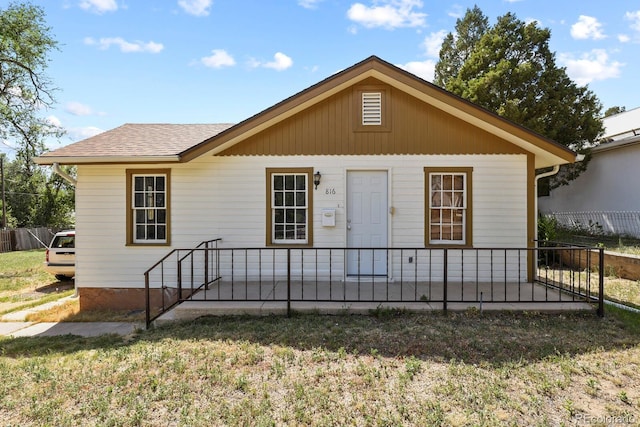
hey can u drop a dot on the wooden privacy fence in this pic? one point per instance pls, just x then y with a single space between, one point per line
24 239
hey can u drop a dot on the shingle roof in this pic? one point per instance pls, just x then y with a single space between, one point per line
135 139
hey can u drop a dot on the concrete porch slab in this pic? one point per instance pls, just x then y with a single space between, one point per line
190 310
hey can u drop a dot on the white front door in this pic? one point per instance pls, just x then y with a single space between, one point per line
367 222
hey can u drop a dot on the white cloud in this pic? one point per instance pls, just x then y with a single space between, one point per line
78 109
634 17
623 38
587 27
125 46
53 120
309 4
423 69
99 6
530 20
590 66
77 134
196 7
456 11
388 14
433 42
219 58
280 62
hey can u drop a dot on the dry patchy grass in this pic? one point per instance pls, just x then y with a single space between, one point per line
22 272
24 283
69 311
616 289
623 290
390 368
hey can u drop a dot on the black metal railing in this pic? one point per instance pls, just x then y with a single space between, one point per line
552 273
167 274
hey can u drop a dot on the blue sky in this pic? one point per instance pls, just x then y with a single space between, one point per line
222 61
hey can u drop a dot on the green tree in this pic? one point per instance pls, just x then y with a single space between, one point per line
39 199
25 89
509 69
25 92
457 47
614 110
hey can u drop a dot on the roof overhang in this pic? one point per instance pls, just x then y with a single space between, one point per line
89 160
614 145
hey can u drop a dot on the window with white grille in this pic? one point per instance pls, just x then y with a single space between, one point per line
289 207
372 108
149 205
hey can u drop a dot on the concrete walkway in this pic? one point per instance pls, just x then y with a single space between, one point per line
83 329
21 316
15 325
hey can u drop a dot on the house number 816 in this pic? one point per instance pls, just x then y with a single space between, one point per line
330 191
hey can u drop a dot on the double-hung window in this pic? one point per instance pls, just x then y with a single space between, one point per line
448 205
148 206
289 206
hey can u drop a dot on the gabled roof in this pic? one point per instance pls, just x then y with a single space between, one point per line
114 146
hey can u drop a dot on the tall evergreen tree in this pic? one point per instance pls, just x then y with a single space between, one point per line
614 110
509 69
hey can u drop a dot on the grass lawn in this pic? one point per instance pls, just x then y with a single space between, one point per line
24 283
386 369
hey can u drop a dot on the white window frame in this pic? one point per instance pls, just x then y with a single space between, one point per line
451 202
149 208
280 203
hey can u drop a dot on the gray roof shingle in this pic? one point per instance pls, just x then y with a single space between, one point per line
141 140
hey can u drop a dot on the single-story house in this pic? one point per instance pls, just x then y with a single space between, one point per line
371 157
601 198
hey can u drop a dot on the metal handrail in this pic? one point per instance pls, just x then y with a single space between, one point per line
505 269
148 317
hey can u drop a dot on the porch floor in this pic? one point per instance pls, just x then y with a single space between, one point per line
353 296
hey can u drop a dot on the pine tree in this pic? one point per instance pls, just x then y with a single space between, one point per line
509 69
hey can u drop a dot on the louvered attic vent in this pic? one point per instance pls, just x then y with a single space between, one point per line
371 108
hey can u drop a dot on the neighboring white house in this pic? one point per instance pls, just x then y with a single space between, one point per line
605 195
402 163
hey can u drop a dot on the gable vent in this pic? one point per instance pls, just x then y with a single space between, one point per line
371 108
